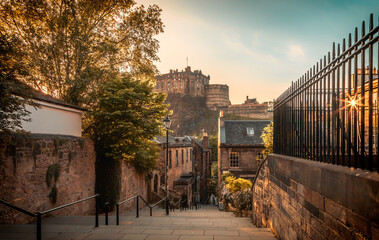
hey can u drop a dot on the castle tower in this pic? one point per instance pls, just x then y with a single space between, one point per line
216 96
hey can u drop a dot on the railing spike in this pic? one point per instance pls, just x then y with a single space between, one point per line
334 51
349 39
356 35
363 29
371 21
344 45
338 50
328 57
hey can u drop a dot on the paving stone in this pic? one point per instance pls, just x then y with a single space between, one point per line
205 223
134 236
189 232
221 233
196 237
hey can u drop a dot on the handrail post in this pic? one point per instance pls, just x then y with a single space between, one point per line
97 212
137 213
151 211
118 214
106 212
39 226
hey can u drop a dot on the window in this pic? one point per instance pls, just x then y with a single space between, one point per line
177 158
234 159
169 159
250 131
260 156
190 154
187 155
182 156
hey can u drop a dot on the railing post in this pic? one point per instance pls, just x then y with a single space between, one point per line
118 214
151 211
106 212
39 226
97 212
137 213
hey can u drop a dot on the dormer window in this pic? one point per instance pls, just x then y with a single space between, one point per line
250 131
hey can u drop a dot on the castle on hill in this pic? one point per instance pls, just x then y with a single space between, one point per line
196 84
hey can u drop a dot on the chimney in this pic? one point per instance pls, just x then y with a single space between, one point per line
205 140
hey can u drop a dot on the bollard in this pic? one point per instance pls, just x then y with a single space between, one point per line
97 212
137 213
106 213
39 226
118 214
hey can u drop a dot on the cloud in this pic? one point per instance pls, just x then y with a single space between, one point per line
295 51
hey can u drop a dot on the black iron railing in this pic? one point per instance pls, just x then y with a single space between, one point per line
330 114
39 215
136 197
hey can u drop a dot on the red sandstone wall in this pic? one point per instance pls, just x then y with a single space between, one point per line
133 183
23 169
302 199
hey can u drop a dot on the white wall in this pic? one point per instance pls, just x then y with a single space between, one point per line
54 119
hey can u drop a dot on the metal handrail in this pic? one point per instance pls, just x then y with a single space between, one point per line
69 204
256 175
17 208
137 207
38 215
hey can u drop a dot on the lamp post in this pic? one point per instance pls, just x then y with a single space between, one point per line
167 123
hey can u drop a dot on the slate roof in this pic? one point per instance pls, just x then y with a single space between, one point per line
235 132
174 141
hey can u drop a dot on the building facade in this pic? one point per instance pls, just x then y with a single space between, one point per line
185 82
239 145
188 167
251 108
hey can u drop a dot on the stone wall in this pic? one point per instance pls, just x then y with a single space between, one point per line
24 164
133 183
302 199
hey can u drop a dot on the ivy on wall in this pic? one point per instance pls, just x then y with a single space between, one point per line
53 173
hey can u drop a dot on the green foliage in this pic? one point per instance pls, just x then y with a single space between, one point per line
14 94
212 186
267 137
226 175
72 46
242 200
236 191
214 170
236 184
213 142
53 194
125 119
53 172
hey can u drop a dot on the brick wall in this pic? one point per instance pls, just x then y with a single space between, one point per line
302 199
24 163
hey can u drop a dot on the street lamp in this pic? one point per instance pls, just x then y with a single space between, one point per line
167 123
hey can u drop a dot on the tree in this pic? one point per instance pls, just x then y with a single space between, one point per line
267 137
213 142
126 118
14 95
70 47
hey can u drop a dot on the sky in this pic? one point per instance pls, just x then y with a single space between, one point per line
255 47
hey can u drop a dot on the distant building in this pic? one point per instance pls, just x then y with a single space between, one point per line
239 146
184 82
217 96
251 108
202 165
188 163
